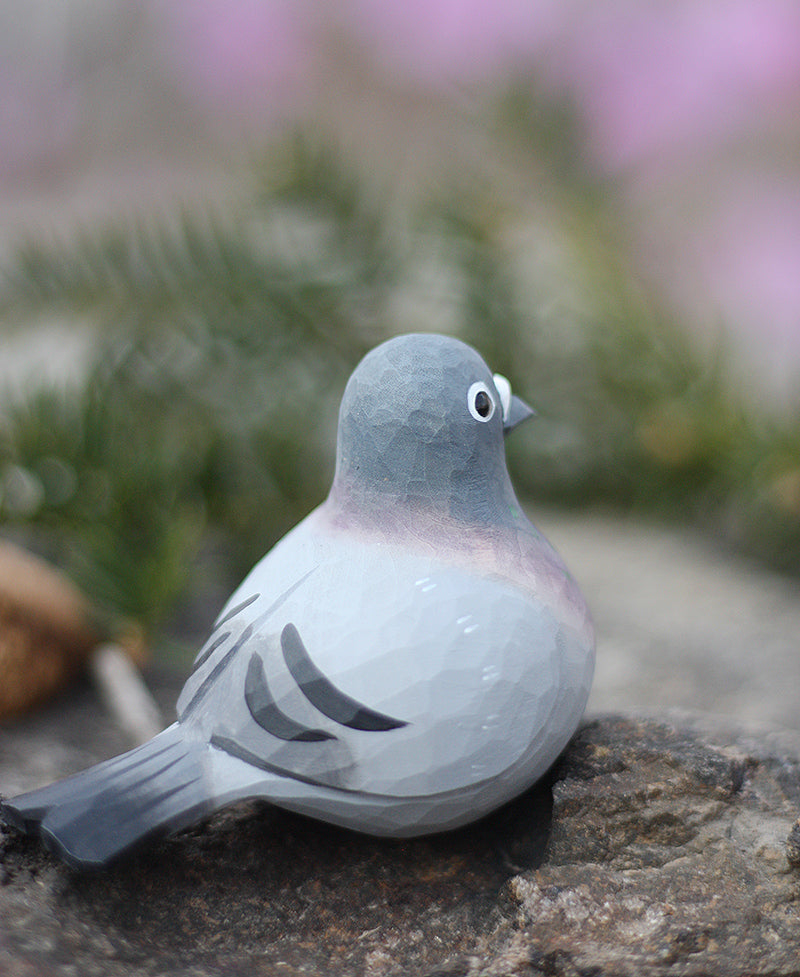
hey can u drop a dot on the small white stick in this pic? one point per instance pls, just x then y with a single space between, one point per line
124 693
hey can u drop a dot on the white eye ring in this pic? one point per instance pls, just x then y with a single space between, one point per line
504 390
474 399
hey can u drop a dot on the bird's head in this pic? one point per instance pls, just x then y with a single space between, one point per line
422 424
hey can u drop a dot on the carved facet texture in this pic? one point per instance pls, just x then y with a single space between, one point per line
412 655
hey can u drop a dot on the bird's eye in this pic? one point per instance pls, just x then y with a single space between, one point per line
480 402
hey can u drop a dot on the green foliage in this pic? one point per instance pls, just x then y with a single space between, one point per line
207 421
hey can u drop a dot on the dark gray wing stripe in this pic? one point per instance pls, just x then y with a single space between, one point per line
266 713
285 596
235 610
204 655
235 749
324 695
208 651
215 672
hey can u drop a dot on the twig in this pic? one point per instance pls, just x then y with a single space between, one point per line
124 693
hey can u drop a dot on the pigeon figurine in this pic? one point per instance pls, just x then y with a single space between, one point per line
408 658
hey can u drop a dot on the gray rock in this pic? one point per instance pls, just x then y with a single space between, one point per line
793 845
667 855
658 847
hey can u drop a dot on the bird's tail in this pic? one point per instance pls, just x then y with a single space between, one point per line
102 812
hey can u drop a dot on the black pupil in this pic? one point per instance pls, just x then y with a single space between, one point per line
482 403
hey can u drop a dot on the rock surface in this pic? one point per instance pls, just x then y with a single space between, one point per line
667 855
657 847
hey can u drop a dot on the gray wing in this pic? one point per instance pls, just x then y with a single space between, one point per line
232 695
401 676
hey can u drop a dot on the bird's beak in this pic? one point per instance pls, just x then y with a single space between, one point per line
518 412
515 410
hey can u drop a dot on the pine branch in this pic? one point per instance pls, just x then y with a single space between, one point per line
209 410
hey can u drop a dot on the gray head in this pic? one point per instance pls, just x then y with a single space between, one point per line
421 426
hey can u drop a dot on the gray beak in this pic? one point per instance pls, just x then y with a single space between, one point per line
518 411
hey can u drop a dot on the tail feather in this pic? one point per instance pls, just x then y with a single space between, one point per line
102 812
27 810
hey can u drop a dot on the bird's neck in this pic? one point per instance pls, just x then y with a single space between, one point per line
470 499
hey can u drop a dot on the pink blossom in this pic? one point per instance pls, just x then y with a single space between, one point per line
246 58
677 76
751 259
38 122
434 42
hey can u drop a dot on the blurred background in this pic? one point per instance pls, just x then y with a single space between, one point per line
209 212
